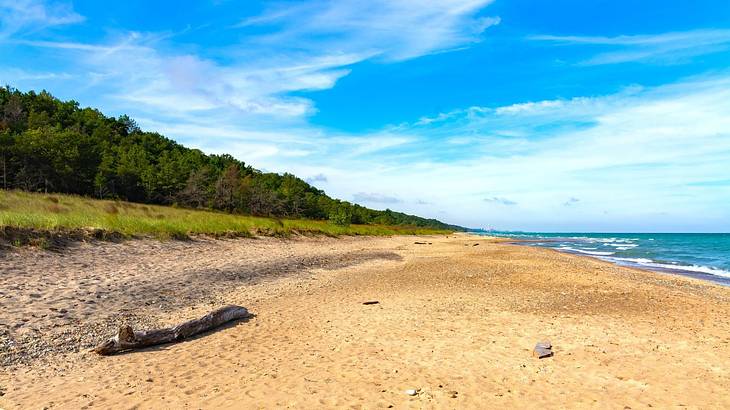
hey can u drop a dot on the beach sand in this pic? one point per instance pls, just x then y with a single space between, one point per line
455 321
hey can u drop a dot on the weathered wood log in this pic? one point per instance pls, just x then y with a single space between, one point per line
128 339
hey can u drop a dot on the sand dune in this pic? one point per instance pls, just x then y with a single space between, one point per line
454 321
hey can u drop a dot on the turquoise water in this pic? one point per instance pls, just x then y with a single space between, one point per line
705 256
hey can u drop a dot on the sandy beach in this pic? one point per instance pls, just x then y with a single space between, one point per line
456 321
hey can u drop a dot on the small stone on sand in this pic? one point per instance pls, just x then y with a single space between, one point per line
542 349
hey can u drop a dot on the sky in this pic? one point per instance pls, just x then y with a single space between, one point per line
563 115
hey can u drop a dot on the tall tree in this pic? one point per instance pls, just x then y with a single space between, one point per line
227 188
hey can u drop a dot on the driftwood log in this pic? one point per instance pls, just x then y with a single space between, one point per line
128 339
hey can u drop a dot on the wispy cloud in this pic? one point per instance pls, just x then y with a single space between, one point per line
316 44
28 16
500 201
363 197
673 47
23 75
391 29
712 183
571 201
317 178
630 152
251 87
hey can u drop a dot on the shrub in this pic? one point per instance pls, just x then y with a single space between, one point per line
341 217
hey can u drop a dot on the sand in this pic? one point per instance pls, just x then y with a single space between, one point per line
456 322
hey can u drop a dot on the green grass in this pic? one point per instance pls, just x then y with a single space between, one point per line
57 213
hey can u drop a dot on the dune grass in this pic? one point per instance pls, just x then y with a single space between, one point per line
66 213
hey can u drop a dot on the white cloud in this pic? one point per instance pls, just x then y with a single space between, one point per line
392 29
23 75
185 83
317 178
23 16
307 50
671 47
500 201
637 154
370 198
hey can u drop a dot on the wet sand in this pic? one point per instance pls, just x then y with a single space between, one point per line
456 322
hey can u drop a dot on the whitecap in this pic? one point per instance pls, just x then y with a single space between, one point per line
595 253
694 268
676 267
634 260
623 245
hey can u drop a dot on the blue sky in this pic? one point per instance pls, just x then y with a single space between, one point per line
531 115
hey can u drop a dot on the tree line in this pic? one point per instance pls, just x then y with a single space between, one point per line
49 145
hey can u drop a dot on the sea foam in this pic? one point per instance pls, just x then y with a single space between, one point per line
674 266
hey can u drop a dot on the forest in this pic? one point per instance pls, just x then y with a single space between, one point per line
49 145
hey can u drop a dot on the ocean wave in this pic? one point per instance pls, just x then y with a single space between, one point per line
609 241
595 253
633 260
643 253
673 266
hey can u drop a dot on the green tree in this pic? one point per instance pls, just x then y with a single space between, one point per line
131 164
6 145
227 189
197 192
341 216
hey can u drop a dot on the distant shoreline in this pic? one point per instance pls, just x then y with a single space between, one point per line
648 265
678 272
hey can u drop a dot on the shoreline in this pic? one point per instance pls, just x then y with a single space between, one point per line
717 279
456 321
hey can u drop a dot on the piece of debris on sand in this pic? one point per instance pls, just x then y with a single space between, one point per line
543 349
